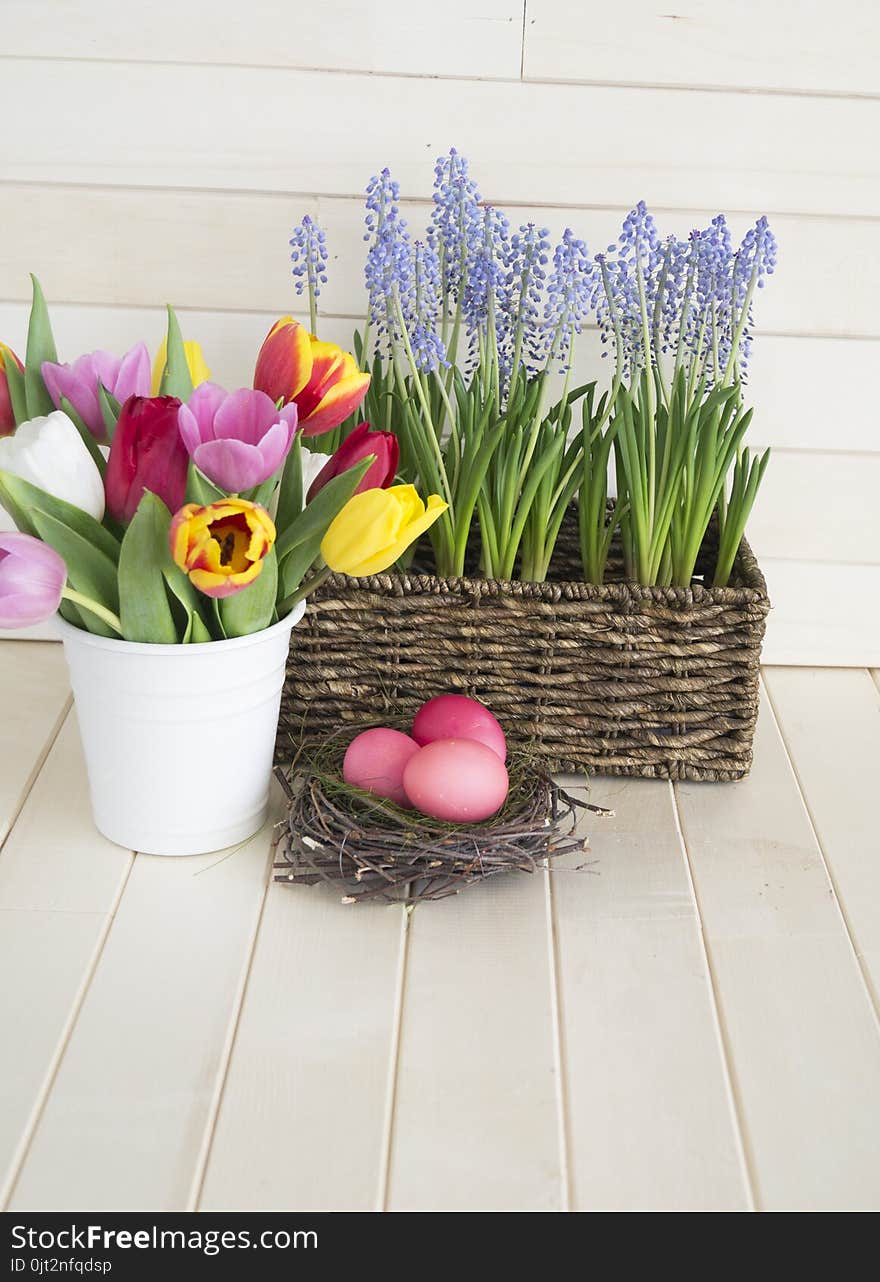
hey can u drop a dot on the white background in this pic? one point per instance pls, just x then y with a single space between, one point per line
164 153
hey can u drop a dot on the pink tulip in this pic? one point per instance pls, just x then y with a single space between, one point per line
32 576
237 439
130 375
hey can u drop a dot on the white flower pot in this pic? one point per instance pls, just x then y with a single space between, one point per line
178 739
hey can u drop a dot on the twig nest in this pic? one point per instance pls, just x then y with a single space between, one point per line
371 849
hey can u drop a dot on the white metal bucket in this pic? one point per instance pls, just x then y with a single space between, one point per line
178 739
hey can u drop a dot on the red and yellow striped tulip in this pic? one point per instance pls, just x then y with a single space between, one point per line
7 418
323 380
221 546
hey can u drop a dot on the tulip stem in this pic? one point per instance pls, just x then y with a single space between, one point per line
304 590
106 616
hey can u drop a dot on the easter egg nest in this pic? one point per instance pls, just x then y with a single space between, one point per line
371 849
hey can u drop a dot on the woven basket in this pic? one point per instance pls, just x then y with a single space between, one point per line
617 679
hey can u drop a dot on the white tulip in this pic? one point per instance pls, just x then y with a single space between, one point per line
312 464
50 453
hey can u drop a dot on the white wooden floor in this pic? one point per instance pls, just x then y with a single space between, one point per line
694 1026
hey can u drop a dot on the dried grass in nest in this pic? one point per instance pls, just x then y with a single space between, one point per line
371 849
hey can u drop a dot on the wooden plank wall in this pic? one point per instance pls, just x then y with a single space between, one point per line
168 161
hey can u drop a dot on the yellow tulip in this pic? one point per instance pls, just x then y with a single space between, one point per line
376 527
198 370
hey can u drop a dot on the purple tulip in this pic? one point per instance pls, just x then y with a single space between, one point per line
32 576
129 375
237 439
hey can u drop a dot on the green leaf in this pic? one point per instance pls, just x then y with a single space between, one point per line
290 495
110 410
40 347
217 618
251 609
88 440
17 394
176 378
199 634
199 489
14 507
89 570
28 497
316 516
192 601
297 564
143 603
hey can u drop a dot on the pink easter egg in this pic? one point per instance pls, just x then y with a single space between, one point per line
459 780
375 761
455 716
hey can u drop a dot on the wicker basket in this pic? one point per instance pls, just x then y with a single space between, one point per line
618 679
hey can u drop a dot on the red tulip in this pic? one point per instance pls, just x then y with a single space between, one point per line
7 418
147 454
359 444
323 380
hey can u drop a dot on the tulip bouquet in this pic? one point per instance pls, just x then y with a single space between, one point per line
154 506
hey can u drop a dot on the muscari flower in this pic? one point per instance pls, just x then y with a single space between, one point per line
570 291
456 221
308 246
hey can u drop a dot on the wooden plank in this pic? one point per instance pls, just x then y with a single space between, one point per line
822 614
134 1098
59 883
782 46
475 1118
34 698
782 376
407 37
780 155
651 1122
56 860
229 251
830 722
303 1117
818 507
802 1033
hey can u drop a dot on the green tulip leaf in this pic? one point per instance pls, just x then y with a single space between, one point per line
176 378
14 507
17 393
110 410
89 570
199 489
316 516
190 599
251 609
290 495
40 348
143 602
16 492
87 439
